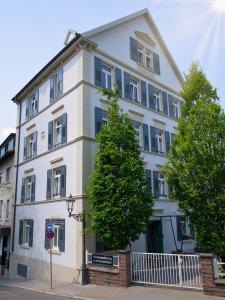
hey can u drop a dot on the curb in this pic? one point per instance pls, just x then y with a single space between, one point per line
46 292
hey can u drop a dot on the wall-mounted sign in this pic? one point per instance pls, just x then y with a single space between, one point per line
102 259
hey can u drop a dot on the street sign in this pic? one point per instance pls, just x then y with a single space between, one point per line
102 259
50 235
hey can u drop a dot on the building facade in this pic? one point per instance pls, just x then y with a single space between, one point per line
7 175
60 111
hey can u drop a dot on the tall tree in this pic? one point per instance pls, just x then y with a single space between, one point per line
119 195
196 163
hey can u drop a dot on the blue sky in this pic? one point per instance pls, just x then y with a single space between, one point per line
32 32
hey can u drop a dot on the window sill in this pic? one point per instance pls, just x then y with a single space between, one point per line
25 247
54 251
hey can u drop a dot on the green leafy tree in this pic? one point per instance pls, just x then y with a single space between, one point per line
119 195
196 163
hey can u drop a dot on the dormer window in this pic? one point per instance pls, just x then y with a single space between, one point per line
140 54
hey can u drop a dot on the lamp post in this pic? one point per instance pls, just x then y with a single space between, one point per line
80 217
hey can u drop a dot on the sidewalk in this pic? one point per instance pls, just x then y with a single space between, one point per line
100 292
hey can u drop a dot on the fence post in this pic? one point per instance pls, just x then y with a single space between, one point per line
180 270
207 271
124 267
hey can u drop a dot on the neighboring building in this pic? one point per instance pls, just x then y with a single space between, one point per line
7 150
59 114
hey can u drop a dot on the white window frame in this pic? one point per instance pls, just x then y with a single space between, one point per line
140 54
133 86
137 128
33 105
30 145
160 141
56 237
175 108
149 55
107 73
57 136
162 185
157 100
104 117
7 209
26 233
8 175
1 209
56 182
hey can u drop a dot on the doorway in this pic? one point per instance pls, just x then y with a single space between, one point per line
154 237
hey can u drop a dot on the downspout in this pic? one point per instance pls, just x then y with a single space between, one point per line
16 181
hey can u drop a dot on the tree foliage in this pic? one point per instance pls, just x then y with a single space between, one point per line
119 196
196 164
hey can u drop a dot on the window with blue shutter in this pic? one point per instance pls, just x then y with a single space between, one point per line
50 135
98 71
49 185
170 100
143 93
156 184
23 191
151 99
165 103
154 145
62 235
63 181
35 143
167 141
20 232
127 85
98 120
59 82
145 137
52 88
156 63
149 177
59 234
118 77
64 128
30 222
27 109
33 180
133 49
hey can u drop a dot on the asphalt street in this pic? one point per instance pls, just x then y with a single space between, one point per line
10 293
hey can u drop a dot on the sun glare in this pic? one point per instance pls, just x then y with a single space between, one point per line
219 5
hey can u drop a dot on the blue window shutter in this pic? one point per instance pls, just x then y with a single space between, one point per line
145 137
98 120
167 141
127 85
64 128
143 93
63 182
35 143
25 148
170 100
60 82
49 185
50 135
172 138
31 229
37 100
62 236
154 147
133 49
156 64
47 241
118 75
21 232
27 109
23 191
165 103
52 88
149 177
98 71
156 184
151 96
33 180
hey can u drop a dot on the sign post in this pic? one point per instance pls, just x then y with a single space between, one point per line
50 235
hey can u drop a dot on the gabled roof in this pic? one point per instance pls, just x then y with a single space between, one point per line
146 14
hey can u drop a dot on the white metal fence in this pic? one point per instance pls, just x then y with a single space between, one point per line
219 268
166 269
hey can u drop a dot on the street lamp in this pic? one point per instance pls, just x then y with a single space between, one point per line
80 217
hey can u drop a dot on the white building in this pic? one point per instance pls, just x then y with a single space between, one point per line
59 114
7 175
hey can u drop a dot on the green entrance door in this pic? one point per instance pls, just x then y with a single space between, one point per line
154 237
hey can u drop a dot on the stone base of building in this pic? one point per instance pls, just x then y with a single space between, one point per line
22 267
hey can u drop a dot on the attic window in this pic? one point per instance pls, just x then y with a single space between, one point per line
149 59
